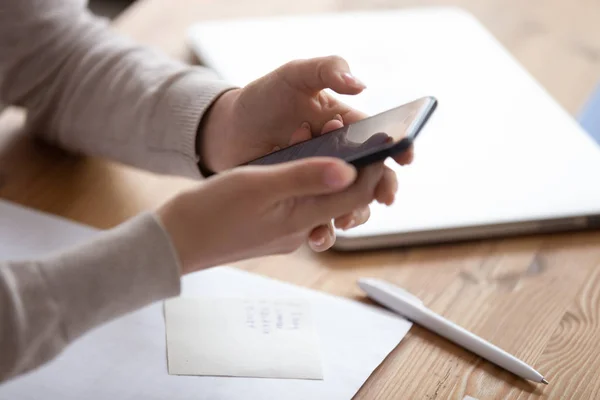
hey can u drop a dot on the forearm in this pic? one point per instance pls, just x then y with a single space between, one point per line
46 304
89 90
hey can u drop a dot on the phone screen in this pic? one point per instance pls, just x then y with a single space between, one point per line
365 137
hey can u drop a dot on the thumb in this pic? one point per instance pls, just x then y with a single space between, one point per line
309 177
315 74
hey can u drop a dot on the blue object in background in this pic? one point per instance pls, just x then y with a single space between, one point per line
590 116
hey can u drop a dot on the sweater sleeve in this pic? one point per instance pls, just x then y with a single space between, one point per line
89 90
46 304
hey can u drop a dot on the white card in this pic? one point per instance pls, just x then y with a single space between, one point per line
245 337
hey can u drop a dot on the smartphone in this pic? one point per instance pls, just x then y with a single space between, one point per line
366 141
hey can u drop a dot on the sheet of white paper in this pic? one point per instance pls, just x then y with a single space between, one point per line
251 337
126 359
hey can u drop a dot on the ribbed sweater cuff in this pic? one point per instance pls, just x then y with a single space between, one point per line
182 108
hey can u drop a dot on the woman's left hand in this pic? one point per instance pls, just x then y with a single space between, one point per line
287 106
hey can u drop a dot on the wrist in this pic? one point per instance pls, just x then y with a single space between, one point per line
172 216
189 220
213 134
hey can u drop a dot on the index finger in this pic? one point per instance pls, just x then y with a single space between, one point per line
406 157
315 74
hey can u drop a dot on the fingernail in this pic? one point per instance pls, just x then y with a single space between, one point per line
339 118
350 224
336 178
352 80
305 125
318 242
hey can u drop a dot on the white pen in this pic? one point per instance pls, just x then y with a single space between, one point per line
412 308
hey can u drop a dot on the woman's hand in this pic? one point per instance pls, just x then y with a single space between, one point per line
248 123
257 211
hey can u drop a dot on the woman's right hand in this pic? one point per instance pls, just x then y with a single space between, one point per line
257 211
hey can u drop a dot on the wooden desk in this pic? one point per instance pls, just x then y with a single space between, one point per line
536 297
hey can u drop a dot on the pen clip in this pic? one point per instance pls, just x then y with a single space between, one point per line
389 288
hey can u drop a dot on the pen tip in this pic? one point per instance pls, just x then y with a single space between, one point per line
544 381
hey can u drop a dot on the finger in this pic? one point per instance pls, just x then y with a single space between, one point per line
307 177
333 124
354 219
350 115
386 189
304 132
315 74
360 194
301 134
406 157
322 237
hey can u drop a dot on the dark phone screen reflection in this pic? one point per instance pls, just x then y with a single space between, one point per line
362 138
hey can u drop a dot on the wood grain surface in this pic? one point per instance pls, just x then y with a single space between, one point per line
536 297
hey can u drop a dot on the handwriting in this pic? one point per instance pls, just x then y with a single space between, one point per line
268 317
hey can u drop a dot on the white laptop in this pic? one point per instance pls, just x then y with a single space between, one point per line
499 157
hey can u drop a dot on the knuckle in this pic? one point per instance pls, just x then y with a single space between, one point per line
321 70
293 64
249 181
336 60
324 100
327 65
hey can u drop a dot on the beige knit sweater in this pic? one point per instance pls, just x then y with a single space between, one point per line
90 91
